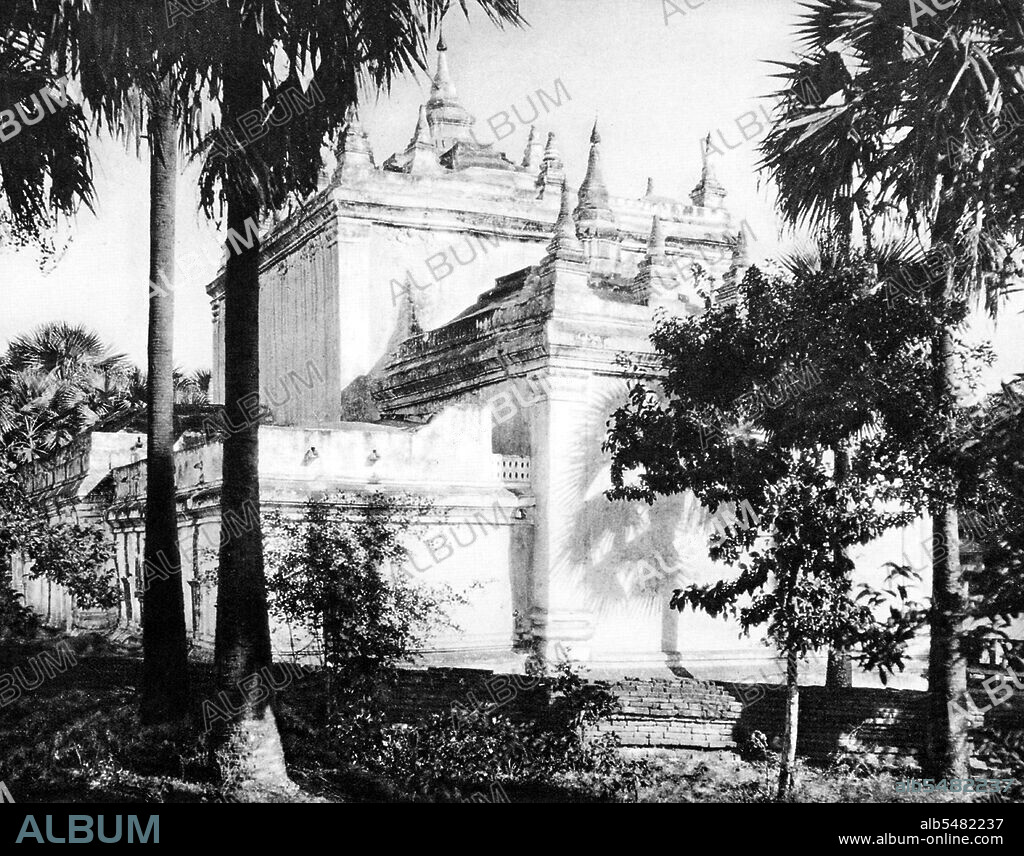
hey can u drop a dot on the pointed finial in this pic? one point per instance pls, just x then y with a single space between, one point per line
532 155
707 168
656 243
650 187
709 192
354 152
551 148
593 206
565 245
551 176
422 132
413 325
655 276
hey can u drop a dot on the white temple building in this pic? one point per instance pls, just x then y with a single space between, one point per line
455 324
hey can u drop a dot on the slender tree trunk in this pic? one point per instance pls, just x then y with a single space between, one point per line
787 765
839 671
248 749
947 667
165 684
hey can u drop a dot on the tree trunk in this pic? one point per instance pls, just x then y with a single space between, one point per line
947 667
787 763
839 671
248 749
165 684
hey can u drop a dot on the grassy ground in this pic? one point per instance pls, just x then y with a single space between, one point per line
76 738
723 776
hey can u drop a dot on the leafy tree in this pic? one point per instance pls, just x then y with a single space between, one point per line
333 573
918 125
994 521
782 405
74 556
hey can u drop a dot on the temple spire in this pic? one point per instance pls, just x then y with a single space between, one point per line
593 212
656 242
450 122
552 170
421 136
420 156
657 278
442 84
709 192
354 152
533 155
565 245
412 321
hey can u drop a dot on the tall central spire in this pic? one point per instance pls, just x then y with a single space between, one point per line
450 122
709 193
442 87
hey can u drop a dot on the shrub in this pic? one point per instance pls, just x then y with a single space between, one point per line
16 619
328 572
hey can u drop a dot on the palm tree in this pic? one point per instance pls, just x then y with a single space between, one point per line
916 121
118 51
165 682
233 52
379 41
54 383
45 168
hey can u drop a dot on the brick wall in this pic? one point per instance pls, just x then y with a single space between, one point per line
888 724
882 725
674 712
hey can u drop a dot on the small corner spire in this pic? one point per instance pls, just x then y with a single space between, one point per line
593 206
565 245
656 242
552 171
533 155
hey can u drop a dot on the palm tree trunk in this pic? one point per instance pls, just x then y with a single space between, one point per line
947 668
165 685
787 765
248 748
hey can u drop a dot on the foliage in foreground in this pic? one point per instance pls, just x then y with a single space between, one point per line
459 755
335 573
72 555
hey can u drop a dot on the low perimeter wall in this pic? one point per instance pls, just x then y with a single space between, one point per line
882 725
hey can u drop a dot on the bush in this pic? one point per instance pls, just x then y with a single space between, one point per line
16 620
328 573
74 556
456 756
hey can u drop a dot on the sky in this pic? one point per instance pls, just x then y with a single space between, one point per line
656 75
